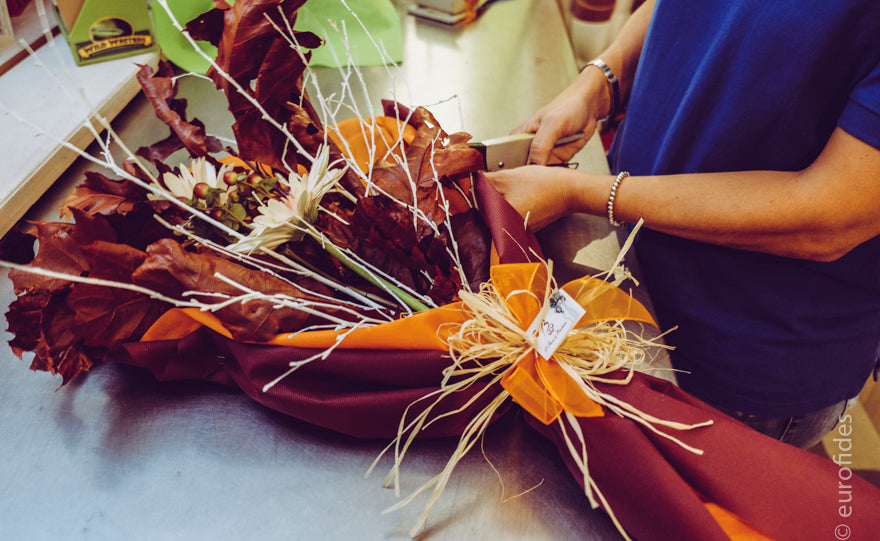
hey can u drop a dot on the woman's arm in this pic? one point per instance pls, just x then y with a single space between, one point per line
588 98
820 213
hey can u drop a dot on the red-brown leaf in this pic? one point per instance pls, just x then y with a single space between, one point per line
248 33
90 228
106 316
209 25
59 252
161 89
256 56
60 350
172 271
24 318
474 245
101 195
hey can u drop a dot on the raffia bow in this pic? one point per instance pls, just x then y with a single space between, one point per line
547 387
492 340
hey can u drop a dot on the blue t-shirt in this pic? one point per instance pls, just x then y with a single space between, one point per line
739 85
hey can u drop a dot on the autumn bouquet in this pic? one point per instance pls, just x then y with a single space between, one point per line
362 276
295 229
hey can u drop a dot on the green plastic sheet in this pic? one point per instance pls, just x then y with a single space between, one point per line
336 21
331 20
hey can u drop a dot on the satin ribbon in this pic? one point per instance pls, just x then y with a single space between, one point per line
355 137
539 385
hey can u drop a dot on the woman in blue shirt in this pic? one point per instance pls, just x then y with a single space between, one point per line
751 148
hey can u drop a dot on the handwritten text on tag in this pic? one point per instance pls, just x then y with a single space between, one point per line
561 317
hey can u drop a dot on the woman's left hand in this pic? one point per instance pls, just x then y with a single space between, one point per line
540 194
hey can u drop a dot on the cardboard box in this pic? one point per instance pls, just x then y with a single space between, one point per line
98 30
6 34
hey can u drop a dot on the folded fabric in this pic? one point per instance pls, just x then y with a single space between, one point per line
743 485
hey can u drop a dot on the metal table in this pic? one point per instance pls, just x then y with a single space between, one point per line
116 455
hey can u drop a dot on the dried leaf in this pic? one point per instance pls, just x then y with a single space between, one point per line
171 270
118 211
161 89
60 349
24 318
248 33
59 252
208 26
108 316
101 195
90 228
260 60
474 245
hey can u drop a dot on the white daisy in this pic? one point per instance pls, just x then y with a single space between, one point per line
281 220
201 170
307 192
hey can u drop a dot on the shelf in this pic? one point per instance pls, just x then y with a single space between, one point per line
51 99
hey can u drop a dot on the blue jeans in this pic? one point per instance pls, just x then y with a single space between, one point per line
803 431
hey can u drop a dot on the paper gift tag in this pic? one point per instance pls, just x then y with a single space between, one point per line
562 315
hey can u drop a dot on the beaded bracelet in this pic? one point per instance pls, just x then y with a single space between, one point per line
611 196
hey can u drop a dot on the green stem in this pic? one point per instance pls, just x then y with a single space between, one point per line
261 192
294 256
378 281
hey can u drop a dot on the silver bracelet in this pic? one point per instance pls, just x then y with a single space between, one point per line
611 196
615 86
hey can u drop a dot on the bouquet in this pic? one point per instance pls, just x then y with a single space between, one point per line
361 275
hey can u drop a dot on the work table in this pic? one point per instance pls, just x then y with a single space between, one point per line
117 455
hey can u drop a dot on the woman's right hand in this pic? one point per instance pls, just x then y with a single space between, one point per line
577 108
588 98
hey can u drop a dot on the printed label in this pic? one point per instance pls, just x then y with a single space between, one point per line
112 35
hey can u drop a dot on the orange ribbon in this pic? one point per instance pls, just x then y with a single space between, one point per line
539 385
355 137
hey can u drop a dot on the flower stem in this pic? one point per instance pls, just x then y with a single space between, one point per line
294 256
401 296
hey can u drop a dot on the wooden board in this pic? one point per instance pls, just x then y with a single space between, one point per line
47 91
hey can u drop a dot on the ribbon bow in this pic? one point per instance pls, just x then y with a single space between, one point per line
544 387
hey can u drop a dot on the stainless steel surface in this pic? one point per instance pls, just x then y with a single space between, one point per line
116 455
